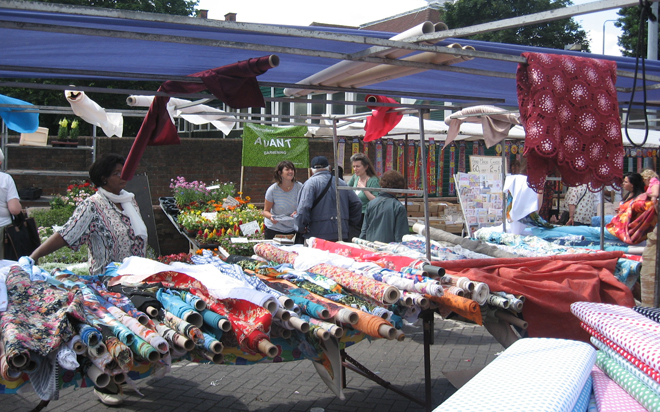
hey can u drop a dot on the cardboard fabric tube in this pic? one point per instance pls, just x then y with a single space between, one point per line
271 306
200 305
299 324
347 316
194 319
284 315
322 334
183 342
216 347
100 378
514 320
151 311
267 348
224 325
18 361
143 319
406 301
119 378
287 303
387 331
399 335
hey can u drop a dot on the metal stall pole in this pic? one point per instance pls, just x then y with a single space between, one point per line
4 144
504 200
334 162
422 145
602 218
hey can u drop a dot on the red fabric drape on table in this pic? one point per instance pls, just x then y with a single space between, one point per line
234 84
385 260
550 285
381 120
570 111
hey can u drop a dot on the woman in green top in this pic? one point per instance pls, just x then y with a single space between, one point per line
364 175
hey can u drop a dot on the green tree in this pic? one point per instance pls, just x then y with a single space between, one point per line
56 98
555 34
628 22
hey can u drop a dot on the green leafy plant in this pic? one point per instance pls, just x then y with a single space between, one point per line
74 132
63 131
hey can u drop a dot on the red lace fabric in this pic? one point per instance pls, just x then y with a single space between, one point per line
570 111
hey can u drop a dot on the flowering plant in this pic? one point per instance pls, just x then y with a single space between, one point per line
76 192
63 131
75 131
179 257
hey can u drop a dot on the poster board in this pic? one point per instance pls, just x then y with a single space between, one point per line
480 197
487 164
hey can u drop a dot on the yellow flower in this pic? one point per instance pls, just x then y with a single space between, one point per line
64 122
74 123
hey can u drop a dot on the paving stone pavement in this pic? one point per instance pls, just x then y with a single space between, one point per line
295 386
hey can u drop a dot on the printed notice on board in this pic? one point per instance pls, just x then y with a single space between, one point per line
486 164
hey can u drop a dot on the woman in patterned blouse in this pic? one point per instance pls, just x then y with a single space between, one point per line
108 222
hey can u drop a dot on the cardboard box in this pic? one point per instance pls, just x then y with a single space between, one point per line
413 207
415 214
38 138
454 227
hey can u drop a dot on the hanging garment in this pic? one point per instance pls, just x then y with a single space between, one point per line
234 84
569 108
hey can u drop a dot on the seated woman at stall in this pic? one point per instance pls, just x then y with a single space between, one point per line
386 219
635 218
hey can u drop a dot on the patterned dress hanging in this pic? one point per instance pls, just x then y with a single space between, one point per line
400 162
410 167
379 157
570 111
431 176
452 169
389 155
441 166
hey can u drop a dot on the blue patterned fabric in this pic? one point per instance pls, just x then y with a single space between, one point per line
542 375
585 396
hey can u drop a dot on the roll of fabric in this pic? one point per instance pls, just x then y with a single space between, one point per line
215 320
174 337
143 349
566 367
610 397
147 334
120 353
378 291
184 328
192 300
173 304
310 308
467 308
90 336
88 110
653 374
651 313
76 345
633 332
632 369
212 344
640 392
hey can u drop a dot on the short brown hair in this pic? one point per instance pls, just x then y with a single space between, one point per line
392 180
277 173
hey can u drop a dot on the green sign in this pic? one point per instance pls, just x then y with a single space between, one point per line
266 146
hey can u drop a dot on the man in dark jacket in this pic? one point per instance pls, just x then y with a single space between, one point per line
317 204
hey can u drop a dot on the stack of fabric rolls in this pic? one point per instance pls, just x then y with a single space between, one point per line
627 371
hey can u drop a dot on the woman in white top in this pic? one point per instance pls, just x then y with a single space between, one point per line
282 201
9 200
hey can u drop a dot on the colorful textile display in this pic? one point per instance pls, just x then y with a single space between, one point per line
548 290
651 313
568 106
566 367
385 260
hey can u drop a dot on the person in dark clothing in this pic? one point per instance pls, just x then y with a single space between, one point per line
385 219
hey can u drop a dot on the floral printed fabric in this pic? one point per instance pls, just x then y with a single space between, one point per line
635 220
98 223
38 318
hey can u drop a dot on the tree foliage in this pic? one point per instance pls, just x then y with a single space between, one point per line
56 98
628 22
555 34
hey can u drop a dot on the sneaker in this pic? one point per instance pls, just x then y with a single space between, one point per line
108 398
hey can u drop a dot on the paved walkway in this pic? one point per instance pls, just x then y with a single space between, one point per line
295 386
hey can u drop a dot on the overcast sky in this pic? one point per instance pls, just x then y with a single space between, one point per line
356 12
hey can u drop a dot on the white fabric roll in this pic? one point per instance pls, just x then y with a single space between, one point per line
88 110
76 341
223 122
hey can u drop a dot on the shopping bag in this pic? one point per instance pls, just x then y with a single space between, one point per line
21 237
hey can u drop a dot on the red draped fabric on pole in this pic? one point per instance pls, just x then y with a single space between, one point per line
550 285
234 84
570 111
382 120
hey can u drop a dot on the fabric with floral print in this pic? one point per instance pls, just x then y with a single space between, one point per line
99 224
637 217
38 319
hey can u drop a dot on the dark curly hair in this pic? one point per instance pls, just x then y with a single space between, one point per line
277 173
102 168
392 180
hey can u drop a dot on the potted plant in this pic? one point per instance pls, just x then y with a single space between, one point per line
67 137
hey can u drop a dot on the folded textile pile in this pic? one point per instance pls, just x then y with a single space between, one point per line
629 354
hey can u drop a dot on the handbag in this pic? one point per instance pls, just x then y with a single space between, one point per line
21 237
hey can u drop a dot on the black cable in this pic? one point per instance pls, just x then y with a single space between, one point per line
645 13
